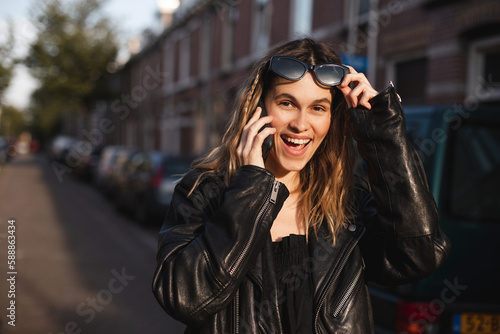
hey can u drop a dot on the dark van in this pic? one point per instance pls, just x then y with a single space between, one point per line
460 150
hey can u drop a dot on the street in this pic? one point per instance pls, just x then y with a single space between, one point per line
69 262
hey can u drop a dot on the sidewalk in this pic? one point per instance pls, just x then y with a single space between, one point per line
81 268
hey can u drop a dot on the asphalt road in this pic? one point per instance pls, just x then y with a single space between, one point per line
80 267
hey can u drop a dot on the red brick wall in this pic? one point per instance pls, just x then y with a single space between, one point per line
216 46
242 31
327 13
280 21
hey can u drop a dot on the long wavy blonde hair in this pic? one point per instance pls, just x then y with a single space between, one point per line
326 180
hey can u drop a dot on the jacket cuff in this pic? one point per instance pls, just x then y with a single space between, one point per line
385 116
388 95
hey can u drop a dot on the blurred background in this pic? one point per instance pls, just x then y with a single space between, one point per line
104 104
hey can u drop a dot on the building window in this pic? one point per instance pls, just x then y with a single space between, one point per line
261 25
360 34
411 80
169 64
205 49
131 134
231 16
184 59
364 7
301 21
491 67
484 70
356 11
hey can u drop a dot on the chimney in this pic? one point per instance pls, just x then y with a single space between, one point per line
167 9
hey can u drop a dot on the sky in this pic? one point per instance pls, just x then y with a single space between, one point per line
130 16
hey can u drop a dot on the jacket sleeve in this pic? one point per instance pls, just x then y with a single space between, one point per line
403 241
210 238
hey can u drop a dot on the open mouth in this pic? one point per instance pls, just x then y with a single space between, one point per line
295 143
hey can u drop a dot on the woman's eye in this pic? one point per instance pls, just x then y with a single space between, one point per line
319 109
286 104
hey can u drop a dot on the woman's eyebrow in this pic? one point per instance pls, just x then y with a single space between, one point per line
286 96
323 100
291 97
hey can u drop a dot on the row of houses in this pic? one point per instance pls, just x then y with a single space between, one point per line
177 93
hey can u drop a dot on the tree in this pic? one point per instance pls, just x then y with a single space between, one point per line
7 62
12 122
71 57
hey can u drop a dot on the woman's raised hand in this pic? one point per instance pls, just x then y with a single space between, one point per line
249 150
361 92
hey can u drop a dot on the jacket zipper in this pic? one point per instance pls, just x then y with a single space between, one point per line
347 294
334 278
274 193
237 312
270 199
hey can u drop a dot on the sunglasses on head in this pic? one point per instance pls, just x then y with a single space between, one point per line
291 68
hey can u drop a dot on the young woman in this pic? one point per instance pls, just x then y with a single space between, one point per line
286 244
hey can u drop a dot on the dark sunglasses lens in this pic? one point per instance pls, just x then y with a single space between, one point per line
329 75
289 68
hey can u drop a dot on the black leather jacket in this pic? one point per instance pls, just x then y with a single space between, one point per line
215 264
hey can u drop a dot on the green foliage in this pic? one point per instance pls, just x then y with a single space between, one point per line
7 62
12 122
75 47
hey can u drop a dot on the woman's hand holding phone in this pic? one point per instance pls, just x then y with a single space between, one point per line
254 134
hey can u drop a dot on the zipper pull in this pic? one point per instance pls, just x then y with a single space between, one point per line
274 193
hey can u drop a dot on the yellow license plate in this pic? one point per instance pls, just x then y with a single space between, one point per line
477 323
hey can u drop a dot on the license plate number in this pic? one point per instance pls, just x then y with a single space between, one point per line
476 323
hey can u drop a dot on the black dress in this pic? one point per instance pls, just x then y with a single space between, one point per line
295 294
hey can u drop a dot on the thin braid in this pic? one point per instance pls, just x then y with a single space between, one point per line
252 90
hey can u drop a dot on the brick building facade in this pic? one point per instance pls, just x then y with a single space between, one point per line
176 94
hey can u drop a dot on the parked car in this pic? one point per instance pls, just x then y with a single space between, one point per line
146 185
460 150
134 178
110 168
81 157
161 188
104 165
86 161
60 147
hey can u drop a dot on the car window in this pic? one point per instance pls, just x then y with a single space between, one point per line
120 159
135 163
473 172
146 165
417 128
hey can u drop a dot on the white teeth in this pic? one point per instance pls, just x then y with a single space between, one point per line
297 141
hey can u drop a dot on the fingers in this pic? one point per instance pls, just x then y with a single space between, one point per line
357 89
249 150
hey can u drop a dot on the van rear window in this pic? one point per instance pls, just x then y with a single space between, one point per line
473 173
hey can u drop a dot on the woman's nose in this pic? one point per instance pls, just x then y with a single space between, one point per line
299 122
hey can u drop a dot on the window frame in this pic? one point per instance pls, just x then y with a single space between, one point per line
477 85
391 70
261 26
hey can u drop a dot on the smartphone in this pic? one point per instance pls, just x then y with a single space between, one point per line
269 141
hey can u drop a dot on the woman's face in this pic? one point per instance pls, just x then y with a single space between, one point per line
301 113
